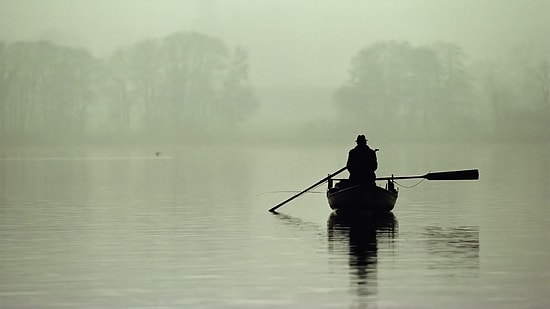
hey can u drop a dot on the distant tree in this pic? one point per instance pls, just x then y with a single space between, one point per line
406 87
455 91
45 88
136 71
185 80
237 101
529 76
378 82
542 75
3 87
537 85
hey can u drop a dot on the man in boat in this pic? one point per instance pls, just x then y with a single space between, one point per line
362 162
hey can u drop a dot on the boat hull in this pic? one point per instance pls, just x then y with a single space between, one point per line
364 198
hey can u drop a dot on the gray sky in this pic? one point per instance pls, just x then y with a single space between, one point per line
307 42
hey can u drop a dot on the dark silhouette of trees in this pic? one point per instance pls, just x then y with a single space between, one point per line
407 87
454 87
432 92
44 88
188 85
185 84
516 94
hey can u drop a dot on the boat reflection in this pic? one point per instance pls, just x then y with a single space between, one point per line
360 237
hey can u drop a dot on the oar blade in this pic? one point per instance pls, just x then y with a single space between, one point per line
454 175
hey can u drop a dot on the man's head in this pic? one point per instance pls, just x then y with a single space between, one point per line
361 140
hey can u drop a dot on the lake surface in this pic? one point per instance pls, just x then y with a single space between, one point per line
189 228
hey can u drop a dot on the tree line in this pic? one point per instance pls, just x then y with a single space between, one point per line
436 92
183 85
188 85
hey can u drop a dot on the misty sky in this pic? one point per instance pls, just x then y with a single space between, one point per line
308 42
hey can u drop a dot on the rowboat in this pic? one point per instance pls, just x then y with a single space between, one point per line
361 198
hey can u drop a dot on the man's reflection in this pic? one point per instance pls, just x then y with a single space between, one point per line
362 236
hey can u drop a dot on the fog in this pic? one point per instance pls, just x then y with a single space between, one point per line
299 57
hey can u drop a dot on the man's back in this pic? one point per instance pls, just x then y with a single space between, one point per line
362 163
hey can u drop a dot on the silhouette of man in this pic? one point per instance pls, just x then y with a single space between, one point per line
362 162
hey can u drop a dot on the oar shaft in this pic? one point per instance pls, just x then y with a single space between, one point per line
472 174
400 177
309 188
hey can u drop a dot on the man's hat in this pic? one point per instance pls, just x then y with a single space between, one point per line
361 138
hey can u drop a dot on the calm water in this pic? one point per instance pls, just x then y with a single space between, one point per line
189 228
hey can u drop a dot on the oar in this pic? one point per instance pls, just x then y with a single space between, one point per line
449 175
309 188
